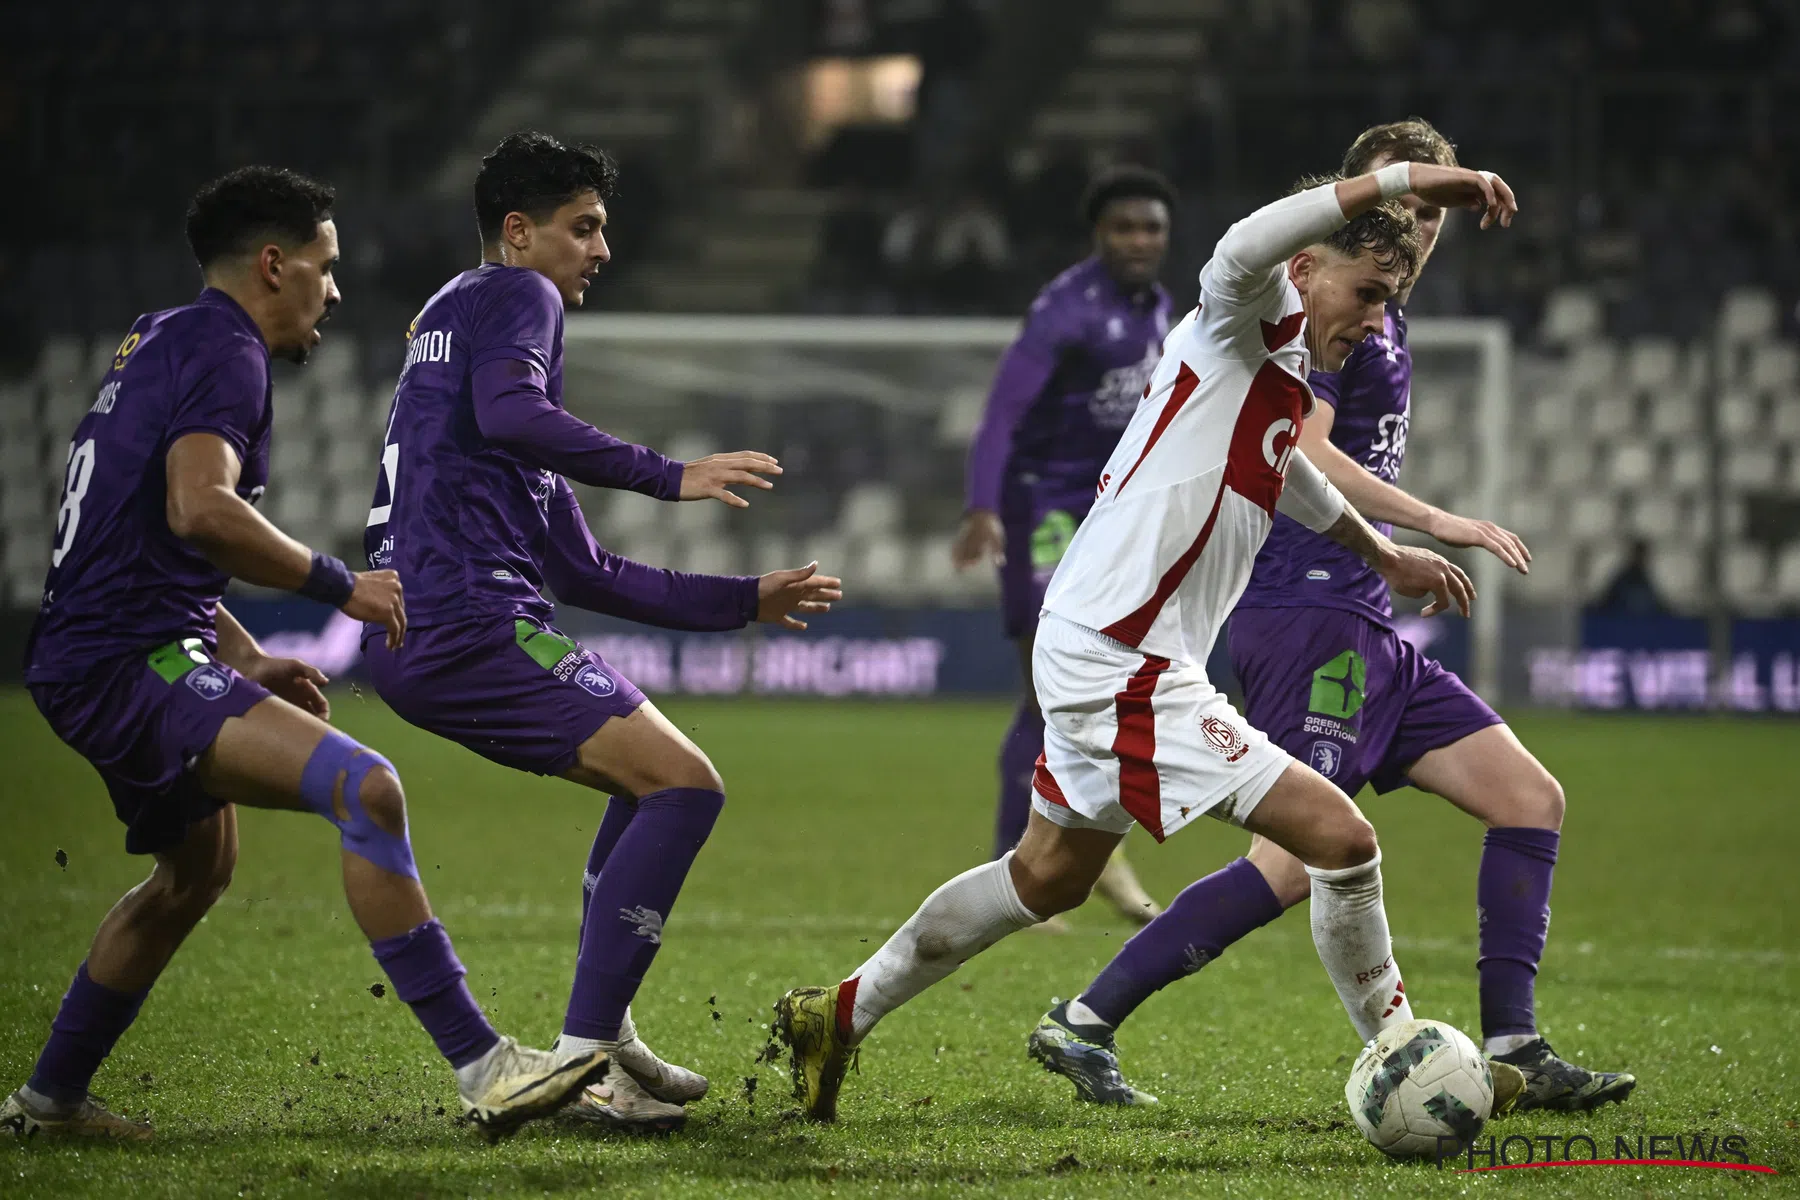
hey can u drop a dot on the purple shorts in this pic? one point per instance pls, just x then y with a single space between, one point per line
1346 695
143 720
1039 522
519 692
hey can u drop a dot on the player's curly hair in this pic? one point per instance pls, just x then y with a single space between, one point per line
1412 140
228 215
1388 232
1126 182
535 174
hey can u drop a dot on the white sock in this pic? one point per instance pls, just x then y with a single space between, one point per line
1350 931
956 922
471 1074
1506 1043
568 1047
1081 1014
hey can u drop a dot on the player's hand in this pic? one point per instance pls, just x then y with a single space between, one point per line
709 478
377 598
295 681
1503 544
780 594
980 537
1413 572
1459 187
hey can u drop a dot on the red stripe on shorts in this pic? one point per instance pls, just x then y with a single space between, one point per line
1045 783
1135 745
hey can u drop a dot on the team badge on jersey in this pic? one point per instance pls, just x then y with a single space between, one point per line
593 680
1224 738
1325 758
209 682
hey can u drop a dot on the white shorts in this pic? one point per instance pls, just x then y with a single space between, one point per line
1132 737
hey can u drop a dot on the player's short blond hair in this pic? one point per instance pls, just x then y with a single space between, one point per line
1388 232
1412 140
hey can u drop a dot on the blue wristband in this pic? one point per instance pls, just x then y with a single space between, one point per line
329 581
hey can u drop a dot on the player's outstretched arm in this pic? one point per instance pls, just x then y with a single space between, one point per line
1378 500
1310 498
1024 370
580 572
513 410
293 680
781 594
204 509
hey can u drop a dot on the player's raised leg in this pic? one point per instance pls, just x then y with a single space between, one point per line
666 796
1494 778
1051 871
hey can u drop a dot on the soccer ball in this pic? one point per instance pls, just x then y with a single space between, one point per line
1419 1081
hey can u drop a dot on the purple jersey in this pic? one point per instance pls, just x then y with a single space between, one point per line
120 580
1067 387
462 520
1298 568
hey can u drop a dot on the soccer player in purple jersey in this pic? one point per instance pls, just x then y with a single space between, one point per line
1324 674
138 667
474 509
1063 393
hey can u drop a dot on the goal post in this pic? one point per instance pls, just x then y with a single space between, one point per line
900 396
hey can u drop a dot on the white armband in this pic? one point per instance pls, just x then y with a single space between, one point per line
1308 496
1395 180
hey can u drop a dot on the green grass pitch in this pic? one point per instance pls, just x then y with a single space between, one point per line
270 1068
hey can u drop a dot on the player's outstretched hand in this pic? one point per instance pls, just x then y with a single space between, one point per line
980 539
1414 572
1459 187
1503 544
377 598
781 594
710 478
293 680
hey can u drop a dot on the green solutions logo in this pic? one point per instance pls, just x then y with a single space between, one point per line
1337 687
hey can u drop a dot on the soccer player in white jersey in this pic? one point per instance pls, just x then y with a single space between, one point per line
1135 732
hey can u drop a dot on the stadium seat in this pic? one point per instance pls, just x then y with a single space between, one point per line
1655 515
688 445
1678 571
1593 368
1747 315
1652 364
871 509
1740 414
961 416
352 463
617 513
1447 466
1784 421
830 551
1787 575
297 503
1593 516
1554 415
711 556
1569 465
1675 413
1600 563
336 361
350 508
1613 415
1571 316
1552 569
774 552
1744 578
933 575
1630 465
340 411
1751 467
1530 512
879 569
1690 466
703 518
62 361
649 546
1774 366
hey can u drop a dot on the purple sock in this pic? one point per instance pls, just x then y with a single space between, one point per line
1512 899
428 976
1018 759
612 828
630 902
89 1023
1206 918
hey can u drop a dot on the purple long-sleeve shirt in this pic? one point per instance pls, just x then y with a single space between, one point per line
471 507
1067 387
120 581
1372 398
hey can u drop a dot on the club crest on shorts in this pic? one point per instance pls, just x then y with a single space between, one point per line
1325 758
593 680
1224 738
209 682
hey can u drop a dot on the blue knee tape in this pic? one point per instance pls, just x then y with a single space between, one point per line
338 755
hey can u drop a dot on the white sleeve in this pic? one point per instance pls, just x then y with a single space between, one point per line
1247 257
1308 496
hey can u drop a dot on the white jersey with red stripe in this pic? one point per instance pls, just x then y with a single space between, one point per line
1189 494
